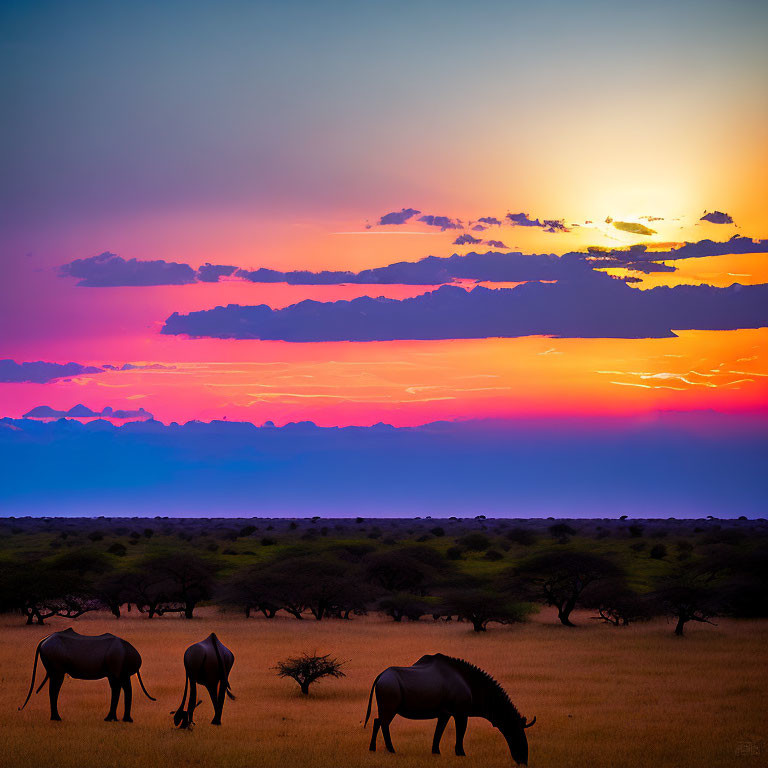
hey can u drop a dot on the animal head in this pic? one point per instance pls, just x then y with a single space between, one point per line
513 730
180 718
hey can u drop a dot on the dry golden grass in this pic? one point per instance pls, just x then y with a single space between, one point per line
603 696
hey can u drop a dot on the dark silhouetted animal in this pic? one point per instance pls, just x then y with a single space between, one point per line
88 657
443 687
208 663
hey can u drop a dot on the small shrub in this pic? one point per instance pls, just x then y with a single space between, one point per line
658 552
309 668
476 542
117 549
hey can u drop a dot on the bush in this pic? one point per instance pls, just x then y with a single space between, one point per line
475 542
309 668
658 552
521 536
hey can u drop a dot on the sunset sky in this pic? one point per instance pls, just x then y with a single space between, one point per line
142 141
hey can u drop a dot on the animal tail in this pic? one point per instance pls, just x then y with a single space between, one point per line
141 683
40 687
229 692
370 699
34 672
224 676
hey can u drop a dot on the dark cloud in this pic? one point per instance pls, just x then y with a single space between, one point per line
593 305
84 412
523 220
716 217
548 225
441 221
652 218
491 221
495 244
467 239
698 249
40 372
478 228
398 217
210 273
633 227
555 225
434 270
107 269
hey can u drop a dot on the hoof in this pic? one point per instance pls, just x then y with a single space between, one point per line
215 722
128 719
56 718
435 751
110 719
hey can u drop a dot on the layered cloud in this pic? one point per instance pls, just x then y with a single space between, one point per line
589 305
40 372
431 270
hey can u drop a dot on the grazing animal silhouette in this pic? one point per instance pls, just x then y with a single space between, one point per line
208 663
443 687
88 657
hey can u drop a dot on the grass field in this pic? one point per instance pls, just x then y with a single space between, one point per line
603 696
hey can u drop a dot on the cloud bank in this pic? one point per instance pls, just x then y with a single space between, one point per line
40 372
432 270
592 305
440 469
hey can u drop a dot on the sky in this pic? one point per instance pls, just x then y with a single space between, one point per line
565 153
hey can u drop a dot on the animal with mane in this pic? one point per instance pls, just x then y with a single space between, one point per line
88 657
207 663
444 687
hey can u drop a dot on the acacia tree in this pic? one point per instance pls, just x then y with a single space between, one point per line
185 580
309 668
480 607
559 578
403 605
254 589
617 604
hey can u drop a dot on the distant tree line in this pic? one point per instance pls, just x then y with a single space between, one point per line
406 582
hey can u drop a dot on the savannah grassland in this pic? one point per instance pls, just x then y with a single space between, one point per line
604 697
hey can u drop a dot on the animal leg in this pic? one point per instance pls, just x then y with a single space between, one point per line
54 686
220 700
214 694
461 729
192 701
387 737
374 735
112 714
442 721
127 696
